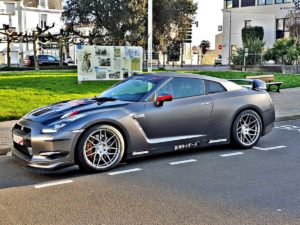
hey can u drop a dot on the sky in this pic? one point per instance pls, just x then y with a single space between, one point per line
209 17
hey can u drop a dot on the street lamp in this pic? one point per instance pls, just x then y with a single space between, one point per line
150 34
229 54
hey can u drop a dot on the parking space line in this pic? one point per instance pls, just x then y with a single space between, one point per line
232 154
124 171
182 162
38 186
269 149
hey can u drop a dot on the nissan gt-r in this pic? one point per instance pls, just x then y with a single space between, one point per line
143 115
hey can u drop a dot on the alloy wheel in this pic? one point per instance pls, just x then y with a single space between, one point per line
248 129
102 148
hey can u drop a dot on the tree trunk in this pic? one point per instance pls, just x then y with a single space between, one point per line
8 53
35 56
61 48
182 52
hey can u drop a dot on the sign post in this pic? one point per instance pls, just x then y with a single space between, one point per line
150 34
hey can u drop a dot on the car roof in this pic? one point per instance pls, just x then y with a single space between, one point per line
230 86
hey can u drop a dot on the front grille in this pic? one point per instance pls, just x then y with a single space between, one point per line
24 132
22 149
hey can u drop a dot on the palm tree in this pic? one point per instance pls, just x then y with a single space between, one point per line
204 47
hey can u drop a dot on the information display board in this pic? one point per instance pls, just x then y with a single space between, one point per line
108 62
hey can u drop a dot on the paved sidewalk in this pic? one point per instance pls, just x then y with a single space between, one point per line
287 105
5 136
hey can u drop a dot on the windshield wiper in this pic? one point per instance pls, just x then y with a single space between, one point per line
105 99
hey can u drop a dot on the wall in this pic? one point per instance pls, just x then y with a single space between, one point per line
210 57
264 16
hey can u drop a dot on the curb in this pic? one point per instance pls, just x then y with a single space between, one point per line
5 150
286 118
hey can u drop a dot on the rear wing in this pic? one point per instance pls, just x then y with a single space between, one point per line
251 84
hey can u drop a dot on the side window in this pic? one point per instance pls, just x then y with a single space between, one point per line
212 87
183 88
51 58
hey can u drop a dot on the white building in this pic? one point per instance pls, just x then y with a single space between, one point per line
269 14
24 16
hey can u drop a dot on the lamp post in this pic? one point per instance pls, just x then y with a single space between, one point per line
230 17
150 34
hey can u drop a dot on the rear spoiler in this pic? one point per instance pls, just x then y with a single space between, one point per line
248 83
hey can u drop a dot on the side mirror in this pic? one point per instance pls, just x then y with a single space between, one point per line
163 98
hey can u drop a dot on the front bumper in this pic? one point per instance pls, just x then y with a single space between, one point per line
43 151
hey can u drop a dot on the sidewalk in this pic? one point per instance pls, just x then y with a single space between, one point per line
287 106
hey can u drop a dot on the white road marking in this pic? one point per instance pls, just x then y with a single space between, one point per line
183 162
279 210
53 184
232 154
124 171
289 127
269 149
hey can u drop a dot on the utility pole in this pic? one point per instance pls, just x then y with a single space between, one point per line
150 34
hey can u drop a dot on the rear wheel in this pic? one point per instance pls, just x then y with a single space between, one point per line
247 129
100 149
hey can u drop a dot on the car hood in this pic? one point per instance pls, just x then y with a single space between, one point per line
52 113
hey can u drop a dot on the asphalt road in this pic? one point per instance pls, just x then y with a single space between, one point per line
220 185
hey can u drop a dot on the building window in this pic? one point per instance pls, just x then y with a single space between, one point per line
232 4
42 3
265 2
282 1
43 20
246 3
282 30
248 23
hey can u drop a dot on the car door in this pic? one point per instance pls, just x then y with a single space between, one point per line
52 61
186 116
43 60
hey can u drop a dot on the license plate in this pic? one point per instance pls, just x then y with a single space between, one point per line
18 139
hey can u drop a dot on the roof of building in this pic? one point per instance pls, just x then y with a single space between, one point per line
52 4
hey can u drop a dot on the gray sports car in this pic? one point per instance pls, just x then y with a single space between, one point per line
143 115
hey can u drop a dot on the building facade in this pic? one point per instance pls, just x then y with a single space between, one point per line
24 16
268 14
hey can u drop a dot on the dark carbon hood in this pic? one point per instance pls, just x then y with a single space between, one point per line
52 113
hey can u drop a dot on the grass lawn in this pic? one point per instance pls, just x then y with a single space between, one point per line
21 92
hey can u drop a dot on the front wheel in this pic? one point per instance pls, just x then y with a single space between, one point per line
100 149
247 129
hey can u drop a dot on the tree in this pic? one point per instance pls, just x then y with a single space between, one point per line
204 46
253 45
11 36
119 22
249 33
284 51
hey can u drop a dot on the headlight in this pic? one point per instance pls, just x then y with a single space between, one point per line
55 127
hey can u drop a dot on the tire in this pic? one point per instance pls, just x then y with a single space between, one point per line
100 149
246 129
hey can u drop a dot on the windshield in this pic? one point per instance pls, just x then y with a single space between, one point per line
133 89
